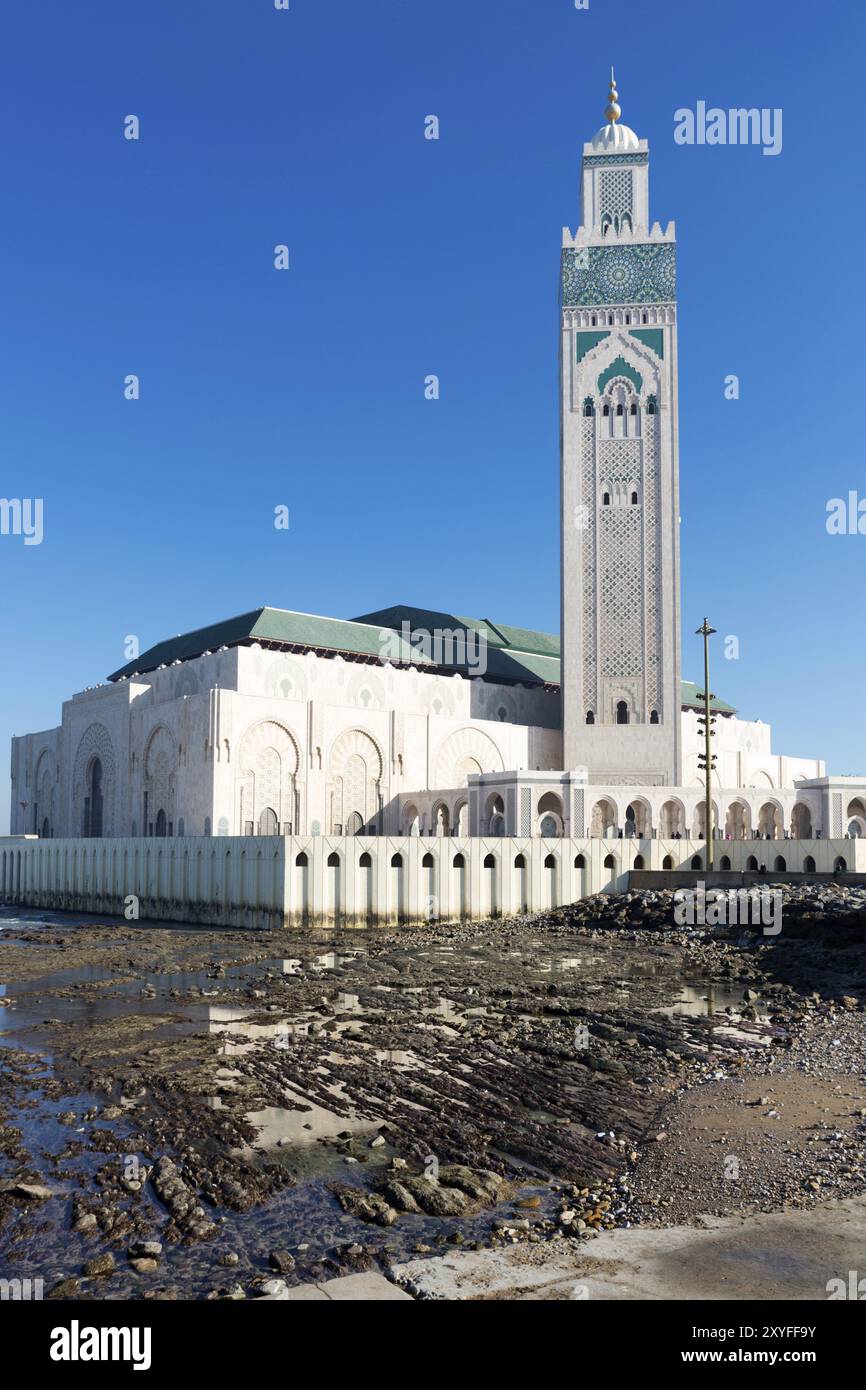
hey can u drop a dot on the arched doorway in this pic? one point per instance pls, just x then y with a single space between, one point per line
638 820
550 818
801 821
603 821
458 886
365 886
738 821
489 904
93 803
672 821
397 905
521 893
610 865
550 880
494 815
268 822
770 821
580 875
302 869
431 901
160 826
334 900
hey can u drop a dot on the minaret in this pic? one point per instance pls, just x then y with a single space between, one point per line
620 473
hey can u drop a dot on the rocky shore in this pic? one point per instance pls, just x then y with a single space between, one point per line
192 1113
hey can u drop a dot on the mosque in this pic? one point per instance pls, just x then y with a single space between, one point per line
414 723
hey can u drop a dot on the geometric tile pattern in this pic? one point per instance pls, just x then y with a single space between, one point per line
642 274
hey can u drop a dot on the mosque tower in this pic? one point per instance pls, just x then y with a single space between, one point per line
620 473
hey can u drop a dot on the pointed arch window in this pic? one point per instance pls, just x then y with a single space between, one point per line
622 712
590 716
588 407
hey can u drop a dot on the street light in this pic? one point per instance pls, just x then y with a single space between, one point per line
707 759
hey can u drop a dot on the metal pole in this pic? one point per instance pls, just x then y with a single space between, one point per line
706 632
707 746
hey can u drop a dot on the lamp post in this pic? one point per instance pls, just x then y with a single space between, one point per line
708 718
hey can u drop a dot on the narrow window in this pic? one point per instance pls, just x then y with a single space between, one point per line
621 712
590 716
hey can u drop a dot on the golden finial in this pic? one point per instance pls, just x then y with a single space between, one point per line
613 110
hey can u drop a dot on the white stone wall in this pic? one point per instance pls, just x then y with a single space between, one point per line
359 881
195 741
744 756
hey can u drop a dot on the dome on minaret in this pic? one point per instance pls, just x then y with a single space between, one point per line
614 138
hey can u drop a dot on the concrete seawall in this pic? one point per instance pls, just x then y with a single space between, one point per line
254 881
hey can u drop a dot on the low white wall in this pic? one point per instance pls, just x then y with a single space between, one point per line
254 881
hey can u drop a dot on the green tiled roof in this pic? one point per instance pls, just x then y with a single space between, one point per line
690 699
277 626
512 653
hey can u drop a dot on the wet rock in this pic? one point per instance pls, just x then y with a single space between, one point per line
100 1266
366 1206
401 1198
482 1184
144 1266
282 1261
436 1200
30 1191
65 1288
145 1250
181 1202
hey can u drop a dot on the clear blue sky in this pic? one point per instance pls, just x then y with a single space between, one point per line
411 257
